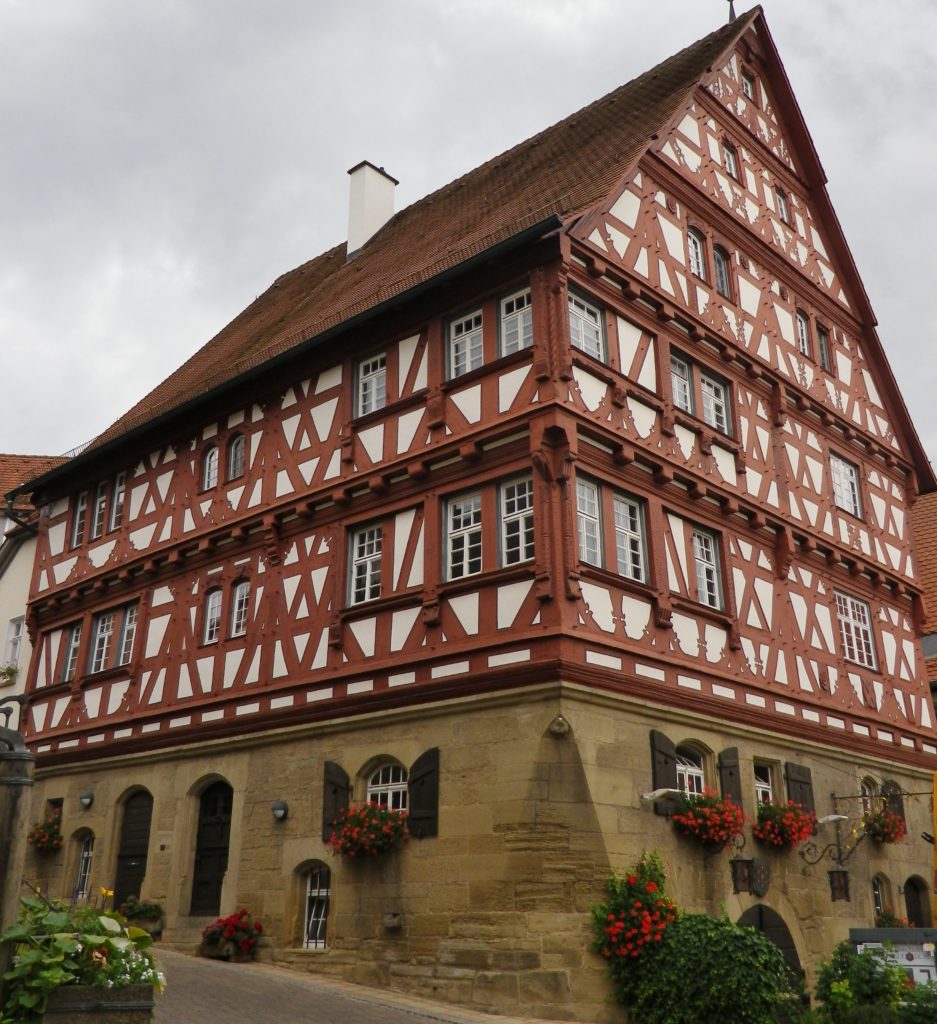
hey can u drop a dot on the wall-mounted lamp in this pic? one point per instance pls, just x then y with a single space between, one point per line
86 798
659 794
741 874
281 810
839 884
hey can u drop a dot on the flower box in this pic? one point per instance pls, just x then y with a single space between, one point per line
368 830
709 818
85 1004
784 826
884 826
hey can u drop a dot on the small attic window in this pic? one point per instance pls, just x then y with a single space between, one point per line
748 85
731 159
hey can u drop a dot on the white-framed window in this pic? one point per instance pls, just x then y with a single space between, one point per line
748 86
117 501
466 351
731 158
517 521
318 898
871 798
764 786
210 467
240 607
845 479
101 637
70 657
700 392
690 777
723 272
211 628
587 517
517 325
706 565
85 856
803 333
681 384
823 349
100 509
128 633
629 538
464 536
696 250
387 785
881 896
784 212
855 630
715 402
14 641
372 383
234 463
366 543
585 327
79 519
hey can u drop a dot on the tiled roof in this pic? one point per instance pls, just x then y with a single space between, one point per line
17 469
924 527
560 172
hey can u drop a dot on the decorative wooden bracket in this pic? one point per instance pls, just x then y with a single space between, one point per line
272 539
783 552
348 446
663 612
435 408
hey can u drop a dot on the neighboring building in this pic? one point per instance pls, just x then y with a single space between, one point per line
924 524
18 525
582 477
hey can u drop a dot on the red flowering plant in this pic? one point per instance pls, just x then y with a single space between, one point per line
47 834
708 817
884 826
236 933
368 829
630 925
784 825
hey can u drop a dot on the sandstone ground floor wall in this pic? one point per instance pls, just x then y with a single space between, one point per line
539 800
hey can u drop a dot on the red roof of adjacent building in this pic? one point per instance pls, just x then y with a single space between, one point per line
924 531
18 469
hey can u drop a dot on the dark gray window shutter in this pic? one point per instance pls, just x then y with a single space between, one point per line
892 798
423 795
799 785
730 778
664 770
336 797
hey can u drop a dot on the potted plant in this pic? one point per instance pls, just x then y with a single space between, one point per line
232 938
7 675
76 962
368 830
143 914
784 825
47 834
884 826
708 817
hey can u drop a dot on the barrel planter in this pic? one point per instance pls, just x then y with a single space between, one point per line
86 1004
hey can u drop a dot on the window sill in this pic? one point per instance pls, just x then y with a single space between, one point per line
718 616
379 604
701 427
612 578
451 383
524 570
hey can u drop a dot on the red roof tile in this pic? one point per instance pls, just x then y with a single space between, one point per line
924 528
17 469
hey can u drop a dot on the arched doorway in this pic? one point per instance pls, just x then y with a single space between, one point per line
917 902
211 848
772 925
134 844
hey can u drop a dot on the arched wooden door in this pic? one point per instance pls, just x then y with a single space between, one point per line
134 843
917 902
211 848
772 925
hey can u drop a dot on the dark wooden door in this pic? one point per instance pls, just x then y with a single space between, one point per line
134 842
211 848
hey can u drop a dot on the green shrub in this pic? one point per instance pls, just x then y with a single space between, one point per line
850 980
919 1005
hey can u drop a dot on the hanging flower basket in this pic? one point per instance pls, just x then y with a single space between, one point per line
784 826
368 830
710 818
884 826
232 938
46 834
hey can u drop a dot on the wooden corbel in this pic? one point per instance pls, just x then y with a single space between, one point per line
336 632
471 451
435 408
271 533
619 396
348 447
663 611
778 406
783 552
418 470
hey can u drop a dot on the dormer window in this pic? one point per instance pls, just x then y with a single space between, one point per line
748 86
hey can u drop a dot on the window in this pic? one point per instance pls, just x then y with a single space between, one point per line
585 327
681 385
210 468
803 333
764 790
14 641
234 464
723 272
696 248
464 536
128 634
387 786
212 625
318 896
706 563
880 899
80 517
871 800
587 514
83 876
372 383
103 654
823 347
240 606
629 538
366 564
70 658
715 402
690 778
731 159
102 635
465 344
117 501
517 326
748 86
597 506
845 479
783 210
100 507
855 630
694 388
517 521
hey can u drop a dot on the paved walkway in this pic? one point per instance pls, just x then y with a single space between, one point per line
201 991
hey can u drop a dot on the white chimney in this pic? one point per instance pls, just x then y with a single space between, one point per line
370 203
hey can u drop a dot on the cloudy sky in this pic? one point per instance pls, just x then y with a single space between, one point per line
161 163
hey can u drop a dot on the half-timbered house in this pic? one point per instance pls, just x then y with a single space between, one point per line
582 478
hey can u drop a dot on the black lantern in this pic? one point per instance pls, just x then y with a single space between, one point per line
839 884
741 874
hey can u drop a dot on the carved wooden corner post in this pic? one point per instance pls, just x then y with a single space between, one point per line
16 779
